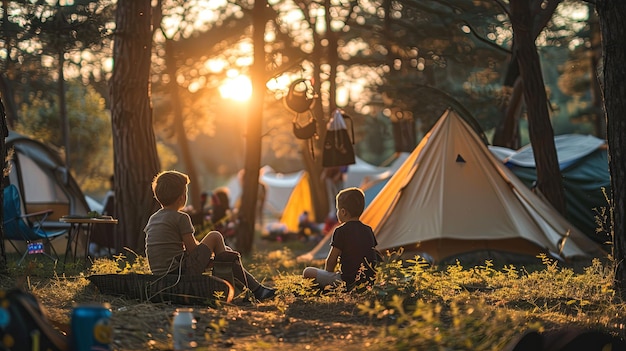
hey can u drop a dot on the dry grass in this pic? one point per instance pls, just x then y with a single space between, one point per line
454 307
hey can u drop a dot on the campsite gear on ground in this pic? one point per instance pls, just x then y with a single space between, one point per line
338 149
91 327
24 325
82 226
27 227
184 329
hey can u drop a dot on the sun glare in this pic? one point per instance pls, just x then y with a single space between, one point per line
238 88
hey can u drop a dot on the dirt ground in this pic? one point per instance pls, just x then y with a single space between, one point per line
285 322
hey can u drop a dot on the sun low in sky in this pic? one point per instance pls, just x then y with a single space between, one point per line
236 87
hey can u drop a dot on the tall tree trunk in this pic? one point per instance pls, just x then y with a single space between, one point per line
6 87
595 56
613 28
333 58
4 129
540 129
247 210
313 162
65 121
134 145
507 131
179 127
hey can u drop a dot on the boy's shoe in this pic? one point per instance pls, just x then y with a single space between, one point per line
264 293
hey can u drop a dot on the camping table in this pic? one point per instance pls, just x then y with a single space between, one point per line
83 224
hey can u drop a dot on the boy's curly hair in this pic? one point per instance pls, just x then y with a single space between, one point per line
168 186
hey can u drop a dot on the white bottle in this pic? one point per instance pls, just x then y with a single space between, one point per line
184 329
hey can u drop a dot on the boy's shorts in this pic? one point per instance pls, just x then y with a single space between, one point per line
198 260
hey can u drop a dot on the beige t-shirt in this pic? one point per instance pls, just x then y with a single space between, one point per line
164 239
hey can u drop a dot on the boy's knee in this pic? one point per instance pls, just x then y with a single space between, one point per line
213 240
214 236
309 272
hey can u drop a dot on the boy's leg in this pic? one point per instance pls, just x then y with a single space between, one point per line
260 291
215 241
239 271
321 277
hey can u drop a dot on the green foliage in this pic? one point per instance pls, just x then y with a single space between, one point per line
481 308
91 145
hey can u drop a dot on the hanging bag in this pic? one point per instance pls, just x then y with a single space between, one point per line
338 146
299 100
300 96
306 130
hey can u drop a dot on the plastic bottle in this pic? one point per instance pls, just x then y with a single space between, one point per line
184 329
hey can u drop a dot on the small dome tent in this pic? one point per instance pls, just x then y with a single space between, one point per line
44 183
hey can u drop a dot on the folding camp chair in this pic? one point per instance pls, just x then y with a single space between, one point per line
26 227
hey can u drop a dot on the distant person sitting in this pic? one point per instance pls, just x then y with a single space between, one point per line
275 231
102 239
221 215
307 229
171 246
352 242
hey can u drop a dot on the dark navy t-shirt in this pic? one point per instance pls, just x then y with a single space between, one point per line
357 244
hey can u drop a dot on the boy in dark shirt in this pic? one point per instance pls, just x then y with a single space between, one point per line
353 243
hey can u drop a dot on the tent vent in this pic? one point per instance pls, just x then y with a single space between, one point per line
459 159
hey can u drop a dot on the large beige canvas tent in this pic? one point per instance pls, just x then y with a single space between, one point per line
452 197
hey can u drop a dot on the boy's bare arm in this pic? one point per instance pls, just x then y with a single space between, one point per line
190 242
331 260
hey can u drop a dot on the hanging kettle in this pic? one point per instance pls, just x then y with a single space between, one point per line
300 96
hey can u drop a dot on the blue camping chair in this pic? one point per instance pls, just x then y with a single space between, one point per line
26 227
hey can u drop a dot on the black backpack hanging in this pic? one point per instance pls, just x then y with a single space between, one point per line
338 149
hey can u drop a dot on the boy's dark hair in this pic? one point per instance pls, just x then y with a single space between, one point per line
168 186
352 200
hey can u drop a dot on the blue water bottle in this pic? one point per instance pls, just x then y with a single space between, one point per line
91 328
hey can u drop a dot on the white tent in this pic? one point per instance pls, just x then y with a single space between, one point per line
360 171
453 197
